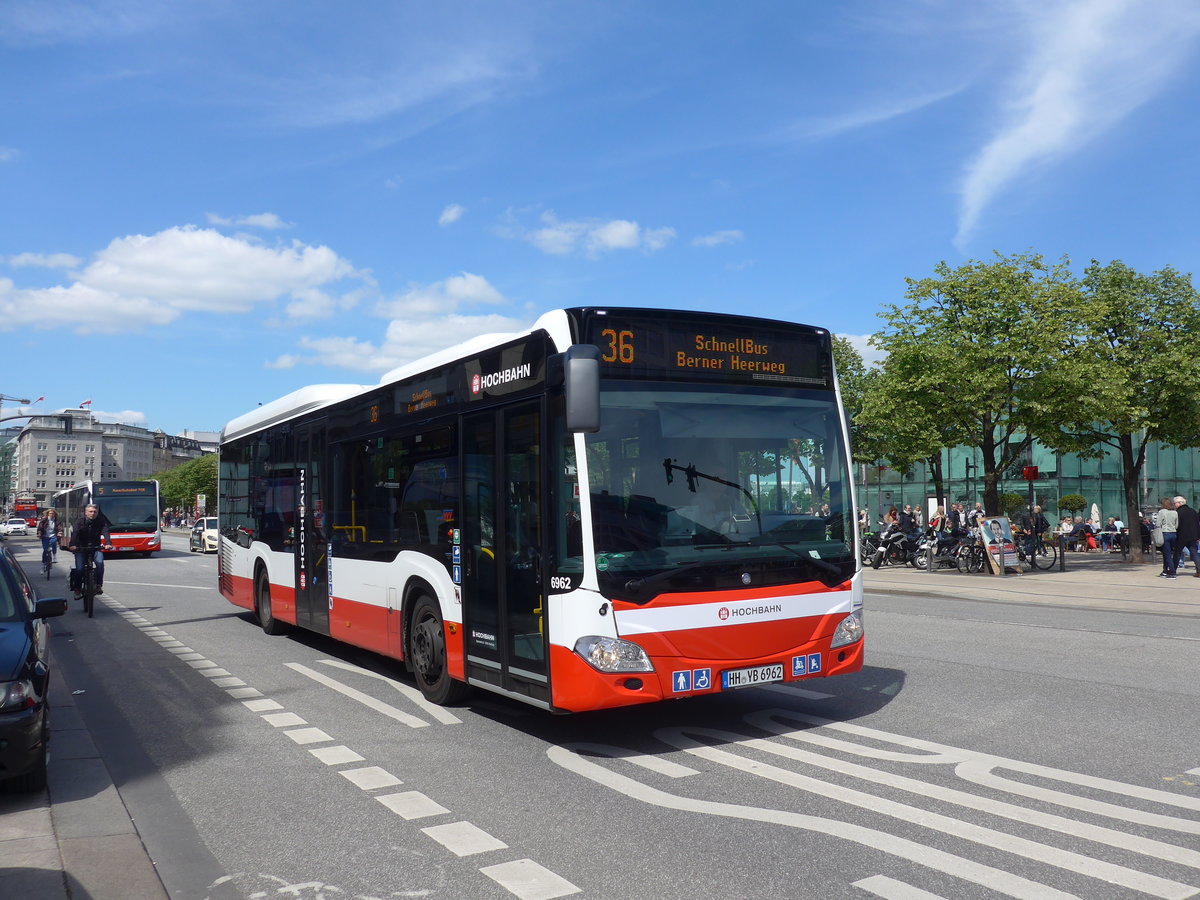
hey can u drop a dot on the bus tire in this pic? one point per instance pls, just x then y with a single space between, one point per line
262 605
427 652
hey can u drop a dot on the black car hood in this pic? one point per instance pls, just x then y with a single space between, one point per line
14 649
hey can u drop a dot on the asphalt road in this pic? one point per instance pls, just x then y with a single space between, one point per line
986 751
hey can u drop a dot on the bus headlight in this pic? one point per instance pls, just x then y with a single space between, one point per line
607 654
849 630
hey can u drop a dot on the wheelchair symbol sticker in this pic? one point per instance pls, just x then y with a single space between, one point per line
701 679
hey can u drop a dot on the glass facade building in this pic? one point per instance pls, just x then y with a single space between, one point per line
1168 471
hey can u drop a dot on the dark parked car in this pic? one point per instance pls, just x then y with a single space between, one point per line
24 678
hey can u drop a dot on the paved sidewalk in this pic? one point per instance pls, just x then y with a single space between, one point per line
74 840
1092 580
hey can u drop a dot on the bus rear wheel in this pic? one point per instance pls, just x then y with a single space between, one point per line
427 652
262 605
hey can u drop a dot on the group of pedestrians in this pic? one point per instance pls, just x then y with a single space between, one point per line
1176 528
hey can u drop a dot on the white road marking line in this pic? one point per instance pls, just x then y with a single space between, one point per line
192 655
939 860
440 713
370 778
201 663
179 651
335 756
261 705
987 837
243 693
1195 771
283 720
653 763
175 587
790 691
213 673
354 694
464 839
228 681
891 889
308 735
411 804
1155 849
529 881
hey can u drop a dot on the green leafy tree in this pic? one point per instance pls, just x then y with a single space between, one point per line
1072 503
974 358
1139 340
180 485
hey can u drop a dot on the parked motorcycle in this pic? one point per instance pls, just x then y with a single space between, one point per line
895 547
943 545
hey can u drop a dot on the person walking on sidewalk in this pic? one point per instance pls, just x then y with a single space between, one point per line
1187 533
1166 523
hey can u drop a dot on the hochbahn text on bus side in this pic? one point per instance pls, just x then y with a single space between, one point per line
617 506
131 506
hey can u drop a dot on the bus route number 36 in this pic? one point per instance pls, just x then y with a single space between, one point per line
619 348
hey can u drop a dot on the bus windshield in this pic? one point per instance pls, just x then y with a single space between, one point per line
131 514
701 489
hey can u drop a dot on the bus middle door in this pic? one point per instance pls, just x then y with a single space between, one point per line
311 545
503 596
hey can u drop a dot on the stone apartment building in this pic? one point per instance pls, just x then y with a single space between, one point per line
48 456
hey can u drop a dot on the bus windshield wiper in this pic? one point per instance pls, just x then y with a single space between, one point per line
635 585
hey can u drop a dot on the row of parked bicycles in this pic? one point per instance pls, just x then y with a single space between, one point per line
960 549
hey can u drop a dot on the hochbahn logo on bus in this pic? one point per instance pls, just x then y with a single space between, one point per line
480 382
744 612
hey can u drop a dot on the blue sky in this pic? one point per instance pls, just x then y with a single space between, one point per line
204 206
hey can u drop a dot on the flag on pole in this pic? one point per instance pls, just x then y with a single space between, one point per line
87 402
39 399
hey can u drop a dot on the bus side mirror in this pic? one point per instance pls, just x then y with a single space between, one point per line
581 383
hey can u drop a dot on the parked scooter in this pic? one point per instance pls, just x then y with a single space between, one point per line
895 547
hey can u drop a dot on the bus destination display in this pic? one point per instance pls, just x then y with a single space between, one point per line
709 351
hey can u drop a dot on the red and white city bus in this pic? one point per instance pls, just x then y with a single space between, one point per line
26 508
616 506
131 506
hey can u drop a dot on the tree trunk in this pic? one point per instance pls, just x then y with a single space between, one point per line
1131 471
939 485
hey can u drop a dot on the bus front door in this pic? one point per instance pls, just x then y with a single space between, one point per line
503 598
312 563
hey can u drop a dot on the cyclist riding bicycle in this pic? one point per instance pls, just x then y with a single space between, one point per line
49 529
90 530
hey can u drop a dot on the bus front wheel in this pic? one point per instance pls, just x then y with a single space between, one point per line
262 605
427 652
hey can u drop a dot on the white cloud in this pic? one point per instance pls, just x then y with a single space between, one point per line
141 281
406 340
593 236
441 297
124 417
871 356
286 361
1088 65
8 154
270 221
45 260
731 236
451 214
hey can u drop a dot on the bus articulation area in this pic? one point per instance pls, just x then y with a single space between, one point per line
131 506
615 507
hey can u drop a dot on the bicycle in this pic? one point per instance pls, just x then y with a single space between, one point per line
87 578
971 557
1034 551
47 562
